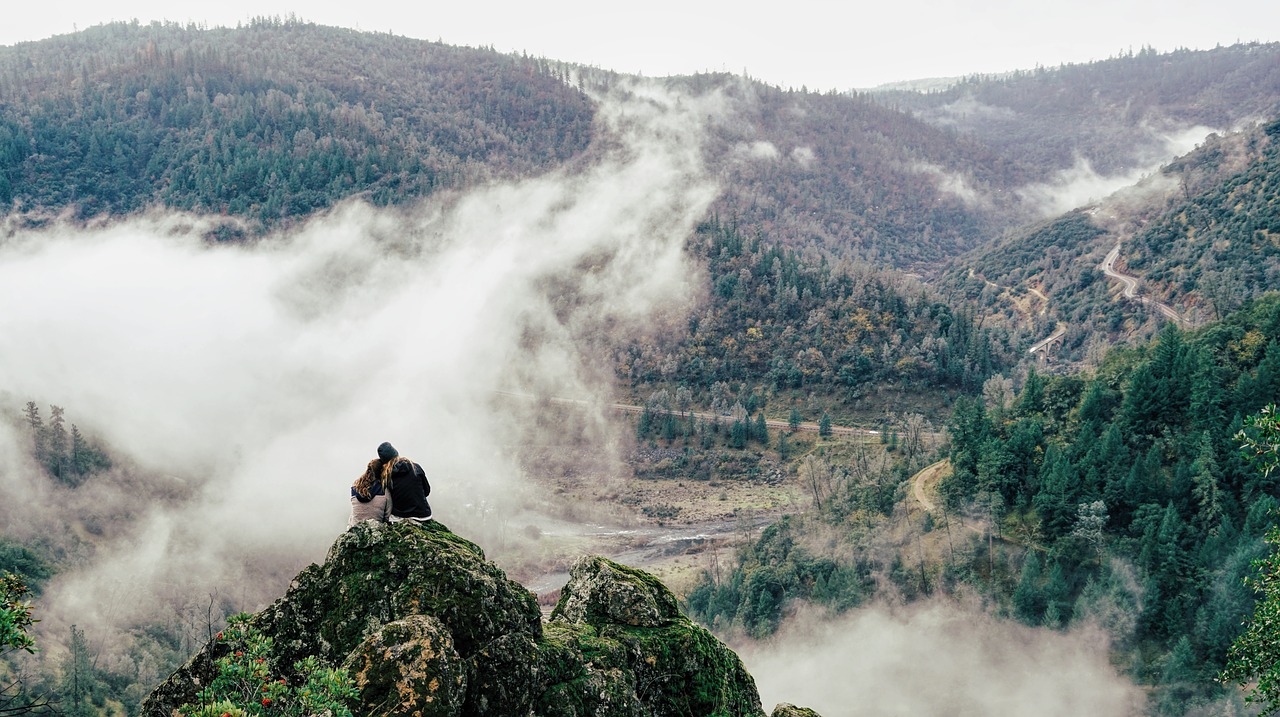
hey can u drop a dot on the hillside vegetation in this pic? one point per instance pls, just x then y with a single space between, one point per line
1115 114
1118 497
270 121
1202 235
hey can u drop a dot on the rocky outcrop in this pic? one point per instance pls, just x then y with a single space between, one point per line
788 710
427 627
624 649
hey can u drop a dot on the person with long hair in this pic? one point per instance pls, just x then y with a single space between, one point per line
370 498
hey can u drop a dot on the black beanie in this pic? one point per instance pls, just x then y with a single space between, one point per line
386 451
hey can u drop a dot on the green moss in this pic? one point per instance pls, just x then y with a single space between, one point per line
683 669
602 592
584 674
675 666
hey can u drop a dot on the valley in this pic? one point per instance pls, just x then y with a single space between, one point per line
816 361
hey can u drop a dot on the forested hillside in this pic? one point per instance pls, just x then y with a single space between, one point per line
281 118
792 321
1115 114
1219 248
856 179
269 121
1117 497
1201 235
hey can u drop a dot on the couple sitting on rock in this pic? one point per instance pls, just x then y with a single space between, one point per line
392 488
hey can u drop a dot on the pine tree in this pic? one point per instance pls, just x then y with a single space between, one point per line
79 681
761 429
32 413
1207 493
1057 597
1028 601
824 425
38 433
1056 499
1142 412
1031 400
58 444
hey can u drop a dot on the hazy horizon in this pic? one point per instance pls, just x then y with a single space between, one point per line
815 44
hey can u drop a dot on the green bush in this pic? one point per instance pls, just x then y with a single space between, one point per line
246 686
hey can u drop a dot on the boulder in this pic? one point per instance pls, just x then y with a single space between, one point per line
601 591
624 619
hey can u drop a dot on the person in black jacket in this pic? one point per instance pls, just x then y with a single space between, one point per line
407 484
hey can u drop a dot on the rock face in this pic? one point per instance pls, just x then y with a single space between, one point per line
429 628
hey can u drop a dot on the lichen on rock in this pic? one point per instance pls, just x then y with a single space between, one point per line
409 667
602 591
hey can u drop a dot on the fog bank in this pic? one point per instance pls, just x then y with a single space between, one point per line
937 658
251 382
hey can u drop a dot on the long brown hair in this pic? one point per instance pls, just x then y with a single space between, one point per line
377 471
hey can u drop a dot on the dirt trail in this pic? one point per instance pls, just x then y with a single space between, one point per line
919 483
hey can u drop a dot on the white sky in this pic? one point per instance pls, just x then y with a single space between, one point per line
822 44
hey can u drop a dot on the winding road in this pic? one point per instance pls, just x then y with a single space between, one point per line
1130 290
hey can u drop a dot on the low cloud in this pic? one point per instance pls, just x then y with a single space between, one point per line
803 156
759 150
968 108
953 183
250 383
1081 185
938 658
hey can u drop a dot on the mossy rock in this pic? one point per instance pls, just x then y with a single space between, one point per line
622 618
788 710
584 675
602 592
428 628
408 669
377 573
504 677
682 669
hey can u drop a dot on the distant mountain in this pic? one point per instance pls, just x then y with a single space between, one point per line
269 121
281 118
851 177
1116 115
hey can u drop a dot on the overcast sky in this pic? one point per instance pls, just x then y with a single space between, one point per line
821 44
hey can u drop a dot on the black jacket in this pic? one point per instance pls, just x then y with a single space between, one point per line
409 490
